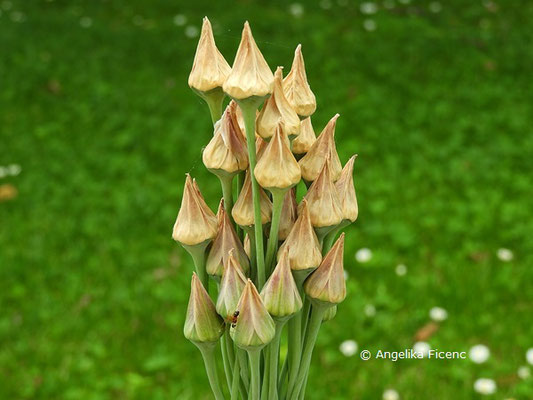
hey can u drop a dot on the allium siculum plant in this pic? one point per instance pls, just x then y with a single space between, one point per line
267 267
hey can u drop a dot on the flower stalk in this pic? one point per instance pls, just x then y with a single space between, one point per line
298 282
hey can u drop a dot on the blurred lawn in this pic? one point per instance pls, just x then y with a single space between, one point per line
95 107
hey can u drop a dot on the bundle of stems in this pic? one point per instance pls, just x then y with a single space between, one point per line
273 266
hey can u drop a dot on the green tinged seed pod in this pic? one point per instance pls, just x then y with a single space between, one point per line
225 240
202 323
231 287
254 327
280 293
326 285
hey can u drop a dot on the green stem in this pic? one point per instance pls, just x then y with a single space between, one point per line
273 350
248 107
295 348
227 192
266 374
317 314
208 355
272 246
255 365
240 182
214 100
236 380
282 381
305 315
198 255
225 360
243 363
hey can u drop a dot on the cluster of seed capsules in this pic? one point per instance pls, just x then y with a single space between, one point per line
263 147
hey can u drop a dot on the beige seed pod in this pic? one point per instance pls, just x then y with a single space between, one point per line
302 243
311 164
225 241
195 223
305 140
346 190
243 209
297 88
326 284
323 200
231 287
226 153
289 214
277 109
277 168
209 70
250 74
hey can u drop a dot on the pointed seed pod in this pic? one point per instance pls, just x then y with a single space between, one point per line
303 142
209 69
250 74
225 241
243 209
280 293
276 109
297 88
202 323
289 214
323 200
302 243
226 153
277 168
346 191
254 328
326 285
195 223
312 163
231 286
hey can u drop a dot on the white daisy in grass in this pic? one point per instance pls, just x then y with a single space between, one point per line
179 19
369 25
438 314
401 270
391 394
422 348
485 386
479 353
14 169
505 255
86 22
363 255
191 31
296 10
348 348
529 355
370 310
368 8
524 372
435 7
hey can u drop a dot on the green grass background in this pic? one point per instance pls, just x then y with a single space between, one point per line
437 105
